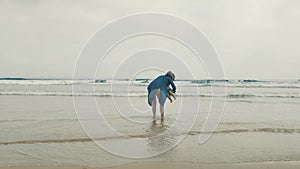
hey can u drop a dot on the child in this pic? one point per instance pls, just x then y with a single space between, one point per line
170 93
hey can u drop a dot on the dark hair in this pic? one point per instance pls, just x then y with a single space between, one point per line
170 74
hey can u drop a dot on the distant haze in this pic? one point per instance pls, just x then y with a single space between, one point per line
255 39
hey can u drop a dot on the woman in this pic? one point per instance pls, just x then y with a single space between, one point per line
159 87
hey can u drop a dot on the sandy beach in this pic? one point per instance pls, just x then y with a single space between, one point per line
176 165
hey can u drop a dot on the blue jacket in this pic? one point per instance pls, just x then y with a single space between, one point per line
161 82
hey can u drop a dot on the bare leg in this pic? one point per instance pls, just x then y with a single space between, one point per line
161 106
162 112
169 97
154 108
172 94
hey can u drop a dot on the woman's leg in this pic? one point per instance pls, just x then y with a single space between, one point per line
162 111
154 107
161 106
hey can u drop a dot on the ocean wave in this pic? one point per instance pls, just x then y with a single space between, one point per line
210 81
144 81
36 120
241 95
254 130
260 96
144 94
287 86
58 94
72 140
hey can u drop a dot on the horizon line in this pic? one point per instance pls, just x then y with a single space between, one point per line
142 78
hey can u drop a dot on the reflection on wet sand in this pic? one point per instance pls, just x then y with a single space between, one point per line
161 137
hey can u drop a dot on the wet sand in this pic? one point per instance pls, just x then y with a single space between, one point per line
179 165
251 135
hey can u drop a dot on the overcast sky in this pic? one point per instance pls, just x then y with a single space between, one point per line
257 39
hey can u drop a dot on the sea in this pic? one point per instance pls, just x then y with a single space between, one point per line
39 124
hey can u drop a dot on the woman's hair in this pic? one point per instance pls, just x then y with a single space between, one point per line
171 74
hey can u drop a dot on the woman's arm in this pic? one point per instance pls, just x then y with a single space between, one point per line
173 85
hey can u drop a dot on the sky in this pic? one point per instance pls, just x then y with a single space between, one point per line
255 39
